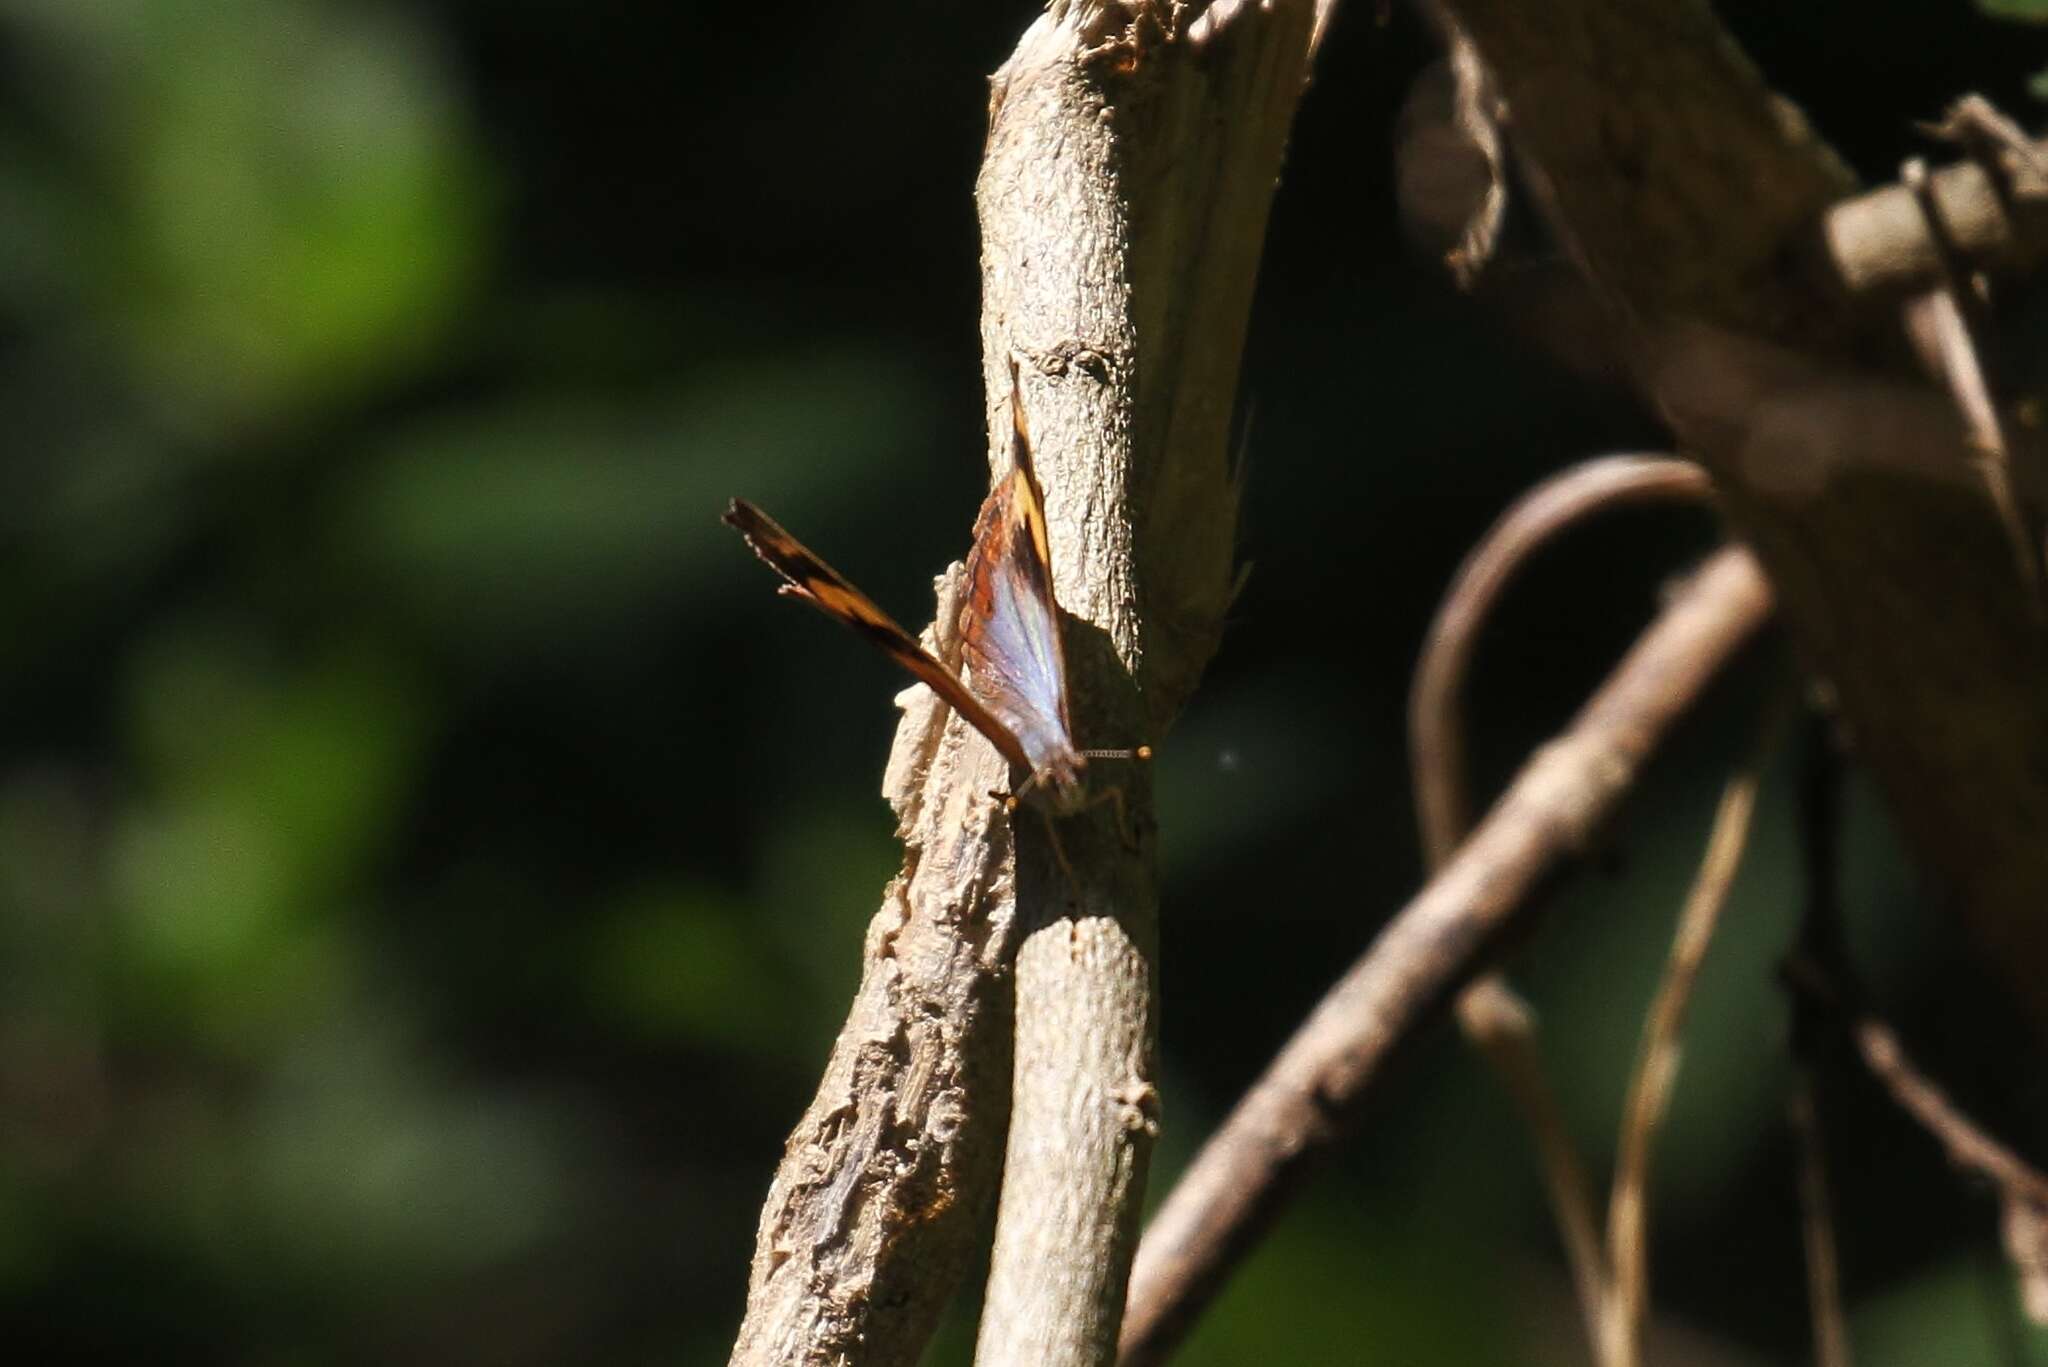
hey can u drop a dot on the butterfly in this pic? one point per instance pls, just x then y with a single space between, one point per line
1008 628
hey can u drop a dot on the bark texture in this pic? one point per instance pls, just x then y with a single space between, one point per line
1133 150
1123 202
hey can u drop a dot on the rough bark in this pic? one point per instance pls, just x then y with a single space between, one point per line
1123 202
1131 161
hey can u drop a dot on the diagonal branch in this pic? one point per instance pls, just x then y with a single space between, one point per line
1315 1089
1722 233
1492 1015
2022 1188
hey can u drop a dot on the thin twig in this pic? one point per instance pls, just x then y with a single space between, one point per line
1501 1025
1492 1015
1965 1142
2022 1188
1992 138
1436 735
1949 312
1822 938
1826 990
1313 1091
1817 1226
1649 1092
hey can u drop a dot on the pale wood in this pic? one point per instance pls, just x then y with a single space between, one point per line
1133 151
874 1207
1123 200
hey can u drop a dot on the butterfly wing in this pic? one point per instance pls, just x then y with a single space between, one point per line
1009 623
824 588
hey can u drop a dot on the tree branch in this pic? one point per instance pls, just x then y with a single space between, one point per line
1992 211
1823 938
1705 213
1499 1024
1656 1069
1123 199
1817 1226
1436 732
1129 168
1826 993
1315 1089
2022 1188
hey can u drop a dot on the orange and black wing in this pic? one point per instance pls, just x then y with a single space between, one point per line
824 588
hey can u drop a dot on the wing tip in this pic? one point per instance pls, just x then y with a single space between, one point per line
1020 427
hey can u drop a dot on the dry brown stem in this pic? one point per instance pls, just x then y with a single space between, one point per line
1490 1013
1436 732
1817 1229
1947 316
1656 1070
1313 1091
2022 1188
1966 1143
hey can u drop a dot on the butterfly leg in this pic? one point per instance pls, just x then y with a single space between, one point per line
1114 797
1059 854
1009 802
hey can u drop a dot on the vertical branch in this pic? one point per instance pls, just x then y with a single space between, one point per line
1822 940
1817 1228
1129 168
1131 159
1649 1092
1828 998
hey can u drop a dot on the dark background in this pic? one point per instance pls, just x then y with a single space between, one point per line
433 864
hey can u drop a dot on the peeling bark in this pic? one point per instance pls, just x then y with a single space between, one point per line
1132 154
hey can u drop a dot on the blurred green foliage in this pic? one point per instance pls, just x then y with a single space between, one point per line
432 865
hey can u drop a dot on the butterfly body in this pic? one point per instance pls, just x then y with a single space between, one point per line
1008 628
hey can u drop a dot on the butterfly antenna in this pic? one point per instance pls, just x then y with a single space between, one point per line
1141 753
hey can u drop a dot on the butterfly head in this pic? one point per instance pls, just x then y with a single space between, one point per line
1060 783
